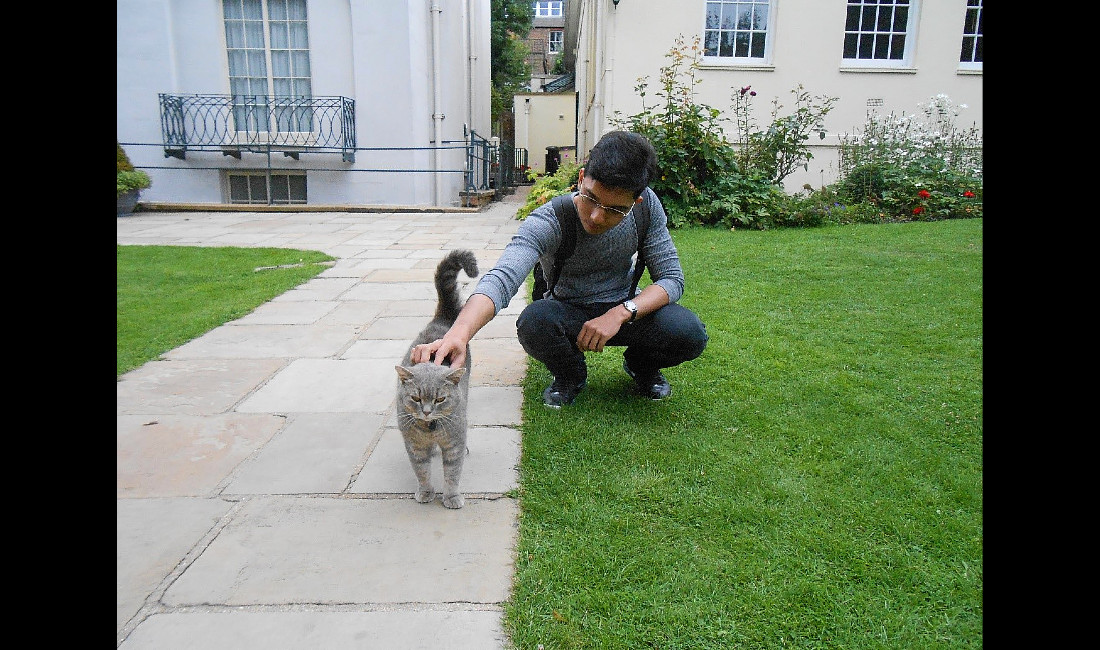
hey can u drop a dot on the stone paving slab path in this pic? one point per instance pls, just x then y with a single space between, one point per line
264 499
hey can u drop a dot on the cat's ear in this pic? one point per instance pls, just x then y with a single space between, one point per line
404 373
456 375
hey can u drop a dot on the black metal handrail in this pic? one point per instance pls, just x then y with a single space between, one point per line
259 123
493 164
502 165
479 152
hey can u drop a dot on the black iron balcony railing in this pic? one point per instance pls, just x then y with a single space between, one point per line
257 123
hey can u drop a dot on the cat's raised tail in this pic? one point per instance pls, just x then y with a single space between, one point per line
446 282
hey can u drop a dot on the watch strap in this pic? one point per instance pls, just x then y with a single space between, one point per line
633 312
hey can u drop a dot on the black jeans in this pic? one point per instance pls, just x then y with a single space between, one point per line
548 331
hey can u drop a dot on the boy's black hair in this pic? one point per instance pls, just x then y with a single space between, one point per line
624 160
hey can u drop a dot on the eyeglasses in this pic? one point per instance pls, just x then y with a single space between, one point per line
607 208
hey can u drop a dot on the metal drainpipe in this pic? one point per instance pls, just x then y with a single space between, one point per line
598 107
471 58
437 114
609 61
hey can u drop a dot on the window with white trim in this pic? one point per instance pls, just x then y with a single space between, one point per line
738 31
267 44
971 56
880 33
252 187
557 41
548 9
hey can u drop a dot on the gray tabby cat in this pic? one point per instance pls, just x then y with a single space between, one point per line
432 399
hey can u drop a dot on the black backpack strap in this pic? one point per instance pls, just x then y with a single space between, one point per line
567 220
641 222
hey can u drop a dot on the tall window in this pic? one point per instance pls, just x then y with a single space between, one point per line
556 43
269 75
879 33
736 29
548 9
971 56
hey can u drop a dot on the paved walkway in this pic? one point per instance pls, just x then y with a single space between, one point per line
264 499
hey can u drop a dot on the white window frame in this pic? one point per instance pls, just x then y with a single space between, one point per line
873 31
551 9
270 69
972 22
555 41
738 8
277 176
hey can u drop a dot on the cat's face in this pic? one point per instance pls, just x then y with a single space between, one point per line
429 392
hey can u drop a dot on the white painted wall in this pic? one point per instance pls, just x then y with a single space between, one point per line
616 45
377 53
545 120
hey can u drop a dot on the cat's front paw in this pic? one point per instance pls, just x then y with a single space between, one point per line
454 501
425 496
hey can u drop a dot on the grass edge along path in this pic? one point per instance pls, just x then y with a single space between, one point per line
169 295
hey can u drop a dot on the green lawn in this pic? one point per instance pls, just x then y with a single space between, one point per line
168 295
815 480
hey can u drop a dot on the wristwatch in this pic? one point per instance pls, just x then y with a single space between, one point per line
633 309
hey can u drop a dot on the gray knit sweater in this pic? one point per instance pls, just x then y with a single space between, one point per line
599 269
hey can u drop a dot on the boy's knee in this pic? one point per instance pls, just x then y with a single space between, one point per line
691 335
699 342
538 321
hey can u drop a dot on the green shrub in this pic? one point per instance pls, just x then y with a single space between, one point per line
913 167
933 196
914 191
866 182
815 208
135 180
828 207
127 177
896 169
699 179
547 186
781 148
737 201
122 160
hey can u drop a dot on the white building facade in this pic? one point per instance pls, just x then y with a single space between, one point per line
889 56
314 102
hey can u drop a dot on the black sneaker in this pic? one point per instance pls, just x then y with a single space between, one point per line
562 392
652 384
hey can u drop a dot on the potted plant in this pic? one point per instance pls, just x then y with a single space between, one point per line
130 183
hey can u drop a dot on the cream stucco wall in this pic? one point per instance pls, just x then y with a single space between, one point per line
545 120
617 45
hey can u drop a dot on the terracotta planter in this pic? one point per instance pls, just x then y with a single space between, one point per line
127 201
